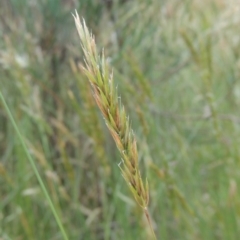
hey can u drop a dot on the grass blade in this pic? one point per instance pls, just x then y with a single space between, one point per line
34 168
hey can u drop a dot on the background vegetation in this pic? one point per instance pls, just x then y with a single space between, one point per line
176 66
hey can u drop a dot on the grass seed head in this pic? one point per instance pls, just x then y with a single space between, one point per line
113 112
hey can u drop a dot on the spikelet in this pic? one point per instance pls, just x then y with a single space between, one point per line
117 121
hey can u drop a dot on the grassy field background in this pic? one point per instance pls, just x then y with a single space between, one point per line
176 66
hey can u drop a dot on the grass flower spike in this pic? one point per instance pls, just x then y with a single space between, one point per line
113 112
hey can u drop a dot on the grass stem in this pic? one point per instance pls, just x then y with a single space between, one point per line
34 167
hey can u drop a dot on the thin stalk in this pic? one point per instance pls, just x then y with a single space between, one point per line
150 223
34 167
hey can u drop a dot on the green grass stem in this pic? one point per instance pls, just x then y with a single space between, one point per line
34 168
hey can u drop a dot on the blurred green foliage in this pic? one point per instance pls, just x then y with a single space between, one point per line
176 66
